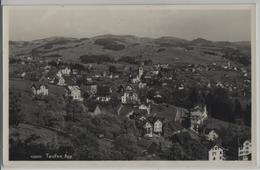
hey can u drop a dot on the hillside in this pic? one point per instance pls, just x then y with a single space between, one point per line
164 49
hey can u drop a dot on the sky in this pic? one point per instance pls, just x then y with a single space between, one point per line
31 23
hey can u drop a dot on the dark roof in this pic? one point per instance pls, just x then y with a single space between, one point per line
153 119
103 90
210 145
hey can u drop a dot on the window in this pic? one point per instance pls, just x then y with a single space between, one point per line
220 152
214 158
220 158
213 153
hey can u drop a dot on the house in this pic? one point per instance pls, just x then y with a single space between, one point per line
101 109
74 92
198 115
140 72
216 153
148 129
66 71
211 134
61 81
129 96
245 151
141 85
23 74
103 93
93 89
153 126
158 127
103 98
39 89
136 80
59 74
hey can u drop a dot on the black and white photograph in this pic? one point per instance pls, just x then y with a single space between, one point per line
130 82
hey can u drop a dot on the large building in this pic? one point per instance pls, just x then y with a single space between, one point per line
245 151
216 153
74 92
39 89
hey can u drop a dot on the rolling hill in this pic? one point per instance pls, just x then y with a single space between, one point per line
164 49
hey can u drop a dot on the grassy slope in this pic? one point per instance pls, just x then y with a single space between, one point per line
70 49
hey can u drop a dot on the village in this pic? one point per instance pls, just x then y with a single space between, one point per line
140 93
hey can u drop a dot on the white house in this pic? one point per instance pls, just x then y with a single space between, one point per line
216 153
66 71
61 81
59 74
140 72
75 93
157 127
129 96
103 98
212 135
245 151
136 80
148 129
39 89
23 74
141 85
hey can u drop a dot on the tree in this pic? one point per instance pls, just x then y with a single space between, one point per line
74 109
238 109
15 115
126 144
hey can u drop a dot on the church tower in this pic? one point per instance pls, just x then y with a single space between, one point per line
141 72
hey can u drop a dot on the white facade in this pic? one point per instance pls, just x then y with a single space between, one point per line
59 74
103 98
216 154
75 93
61 81
148 129
141 85
140 72
66 71
158 127
245 151
42 90
129 98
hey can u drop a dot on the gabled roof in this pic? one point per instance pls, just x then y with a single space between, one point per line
125 109
198 108
37 85
213 144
